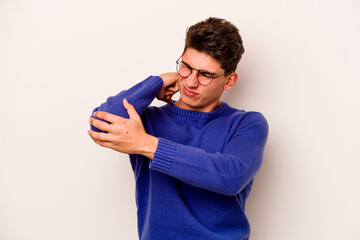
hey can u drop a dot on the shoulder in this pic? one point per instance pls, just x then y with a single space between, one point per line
244 115
243 120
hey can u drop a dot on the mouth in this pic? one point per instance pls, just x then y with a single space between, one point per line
190 93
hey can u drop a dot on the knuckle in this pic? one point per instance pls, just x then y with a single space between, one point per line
100 137
93 135
96 123
96 136
91 120
117 130
100 114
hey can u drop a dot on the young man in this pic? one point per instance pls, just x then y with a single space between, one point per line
194 160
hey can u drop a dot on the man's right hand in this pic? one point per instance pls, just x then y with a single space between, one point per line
169 88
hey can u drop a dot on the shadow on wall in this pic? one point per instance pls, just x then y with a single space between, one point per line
236 96
264 202
242 96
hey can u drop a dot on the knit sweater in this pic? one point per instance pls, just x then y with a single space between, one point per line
196 185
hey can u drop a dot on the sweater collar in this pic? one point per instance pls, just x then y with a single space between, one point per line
195 114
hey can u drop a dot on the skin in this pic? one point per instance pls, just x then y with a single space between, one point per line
129 136
195 96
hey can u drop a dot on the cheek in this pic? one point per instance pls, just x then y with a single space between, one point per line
180 83
180 80
214 91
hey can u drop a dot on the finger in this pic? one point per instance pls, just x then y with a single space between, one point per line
173 89
110 118
169 93
168 99
99 124
131 110
104 144
97 136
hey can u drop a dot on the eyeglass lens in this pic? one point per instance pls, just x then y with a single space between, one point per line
204 78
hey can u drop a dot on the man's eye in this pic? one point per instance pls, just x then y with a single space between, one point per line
206 74
188 67
184 65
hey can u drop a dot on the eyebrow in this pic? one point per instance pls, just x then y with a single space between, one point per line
199 69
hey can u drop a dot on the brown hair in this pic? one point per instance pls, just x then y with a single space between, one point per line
217 38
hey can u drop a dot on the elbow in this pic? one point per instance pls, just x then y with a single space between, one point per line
232 187
230 192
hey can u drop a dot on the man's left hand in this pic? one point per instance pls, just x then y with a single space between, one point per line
123 135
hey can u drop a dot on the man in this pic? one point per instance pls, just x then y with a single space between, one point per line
194 160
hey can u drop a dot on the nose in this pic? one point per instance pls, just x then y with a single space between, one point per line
191 81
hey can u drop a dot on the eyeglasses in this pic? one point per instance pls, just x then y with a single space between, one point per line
203 77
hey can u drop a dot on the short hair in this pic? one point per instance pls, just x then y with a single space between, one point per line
217 38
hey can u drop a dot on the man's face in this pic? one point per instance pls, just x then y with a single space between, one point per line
193 95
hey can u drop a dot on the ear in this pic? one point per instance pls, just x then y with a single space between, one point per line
231 80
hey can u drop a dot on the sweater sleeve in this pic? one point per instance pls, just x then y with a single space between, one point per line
140 96
226 172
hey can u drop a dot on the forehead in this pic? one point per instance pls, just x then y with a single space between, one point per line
201 61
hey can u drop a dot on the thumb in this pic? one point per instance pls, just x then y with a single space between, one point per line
131 110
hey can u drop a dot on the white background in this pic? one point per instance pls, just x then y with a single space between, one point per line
60 59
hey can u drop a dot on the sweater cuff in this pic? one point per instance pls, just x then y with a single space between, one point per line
164 156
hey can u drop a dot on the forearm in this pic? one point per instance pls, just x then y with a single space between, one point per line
140 96
226 174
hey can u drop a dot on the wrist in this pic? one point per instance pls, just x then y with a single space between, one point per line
149 146
169 78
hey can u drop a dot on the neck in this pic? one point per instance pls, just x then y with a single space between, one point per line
207 108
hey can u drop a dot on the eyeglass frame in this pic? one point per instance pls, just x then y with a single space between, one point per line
198 72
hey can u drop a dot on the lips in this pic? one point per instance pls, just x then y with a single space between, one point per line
190 93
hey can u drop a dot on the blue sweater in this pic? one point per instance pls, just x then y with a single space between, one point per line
202 171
